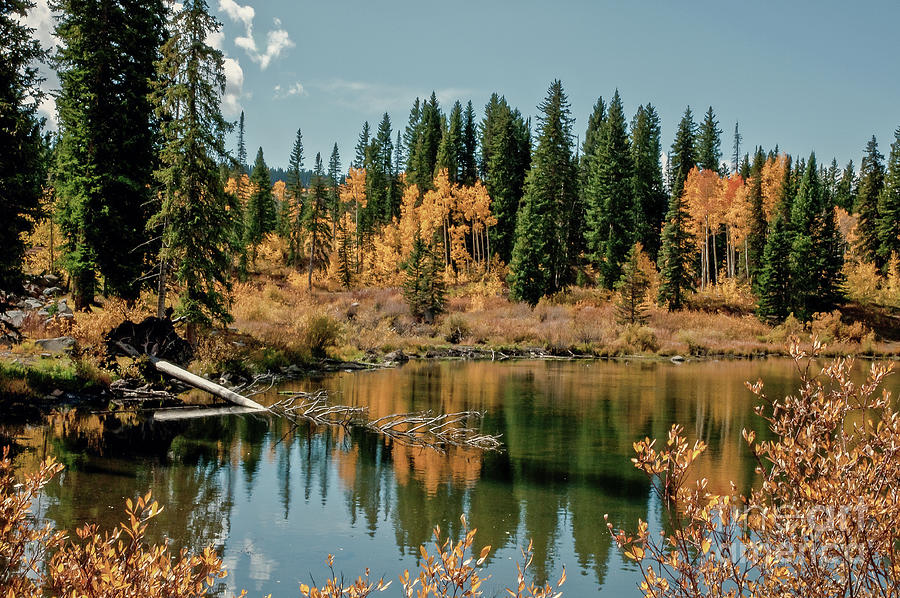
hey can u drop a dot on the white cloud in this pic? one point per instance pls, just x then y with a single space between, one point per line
378 97
40 18
216 39
295 89
277 40
234 87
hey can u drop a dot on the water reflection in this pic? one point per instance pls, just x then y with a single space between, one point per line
276 498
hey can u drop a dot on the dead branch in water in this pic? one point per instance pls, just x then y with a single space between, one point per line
422 428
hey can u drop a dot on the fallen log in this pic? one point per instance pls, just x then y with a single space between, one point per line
182 413
193 380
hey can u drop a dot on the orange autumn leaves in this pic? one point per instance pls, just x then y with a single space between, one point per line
717 204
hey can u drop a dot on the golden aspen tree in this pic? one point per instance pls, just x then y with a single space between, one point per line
772 179
353 191
701 196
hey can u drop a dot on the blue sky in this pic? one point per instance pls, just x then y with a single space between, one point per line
806 75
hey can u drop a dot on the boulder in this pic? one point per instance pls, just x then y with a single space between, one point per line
59 344
33 304
677 359
63 308
397 356
52 291
14 317
50 279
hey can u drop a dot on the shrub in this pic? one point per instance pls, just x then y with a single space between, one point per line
318 333
821 519
638 338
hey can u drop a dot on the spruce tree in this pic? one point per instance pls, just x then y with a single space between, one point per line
106 152
609 231
362 143
334 196
260 216
295 193
486 129
197 235
508 162
541 258
410 134
736 156
709 142
423 153
241 148
846 189
424 288
682 158
317 227
677 247
632 287
383 198
871 182
23 159
756 235
468 165
451 146
589 148
774 283
649 207
889 205
344 255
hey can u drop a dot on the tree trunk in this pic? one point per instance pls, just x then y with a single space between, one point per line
84 285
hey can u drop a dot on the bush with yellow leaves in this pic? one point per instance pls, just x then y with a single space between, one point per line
821 521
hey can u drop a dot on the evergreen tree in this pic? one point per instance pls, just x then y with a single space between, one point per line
871 182
451 148
468 165
541 259
383 198
816 252
344 254
889 205
508 162
744 168
649 208
361 144
295 193
756 235
241 148
334 196
260 216
399 156
736 156
411 133
609 199
593 137
195 217
632 286
423 288
682 157
22 160
774 286
709 150
423 153
106 152
486 129
677 248
846 189
317 228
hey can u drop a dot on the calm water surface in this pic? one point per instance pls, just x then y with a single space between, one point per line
276 500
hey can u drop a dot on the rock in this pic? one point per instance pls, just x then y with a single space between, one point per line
677 359
62 307
50 279
397 356
59 344
43 313
52 291
66 316
33 304
15 317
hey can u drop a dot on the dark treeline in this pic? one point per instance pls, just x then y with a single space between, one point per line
146 194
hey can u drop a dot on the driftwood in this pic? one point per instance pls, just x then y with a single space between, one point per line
190 379
421 428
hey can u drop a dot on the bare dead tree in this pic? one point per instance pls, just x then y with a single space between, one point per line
422 428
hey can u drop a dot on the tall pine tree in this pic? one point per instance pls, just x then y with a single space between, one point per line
296 195
260 215
889 205
709 143
677 246
871 182
774 283
610 201
22 161
468 165
106 152
318 229
197 236
650 201
756 234
541 258
423 152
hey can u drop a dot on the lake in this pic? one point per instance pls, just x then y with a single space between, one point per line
277 499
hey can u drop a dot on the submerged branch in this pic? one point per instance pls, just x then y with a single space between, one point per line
421 428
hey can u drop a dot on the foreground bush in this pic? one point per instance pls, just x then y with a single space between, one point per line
823 519
37 562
